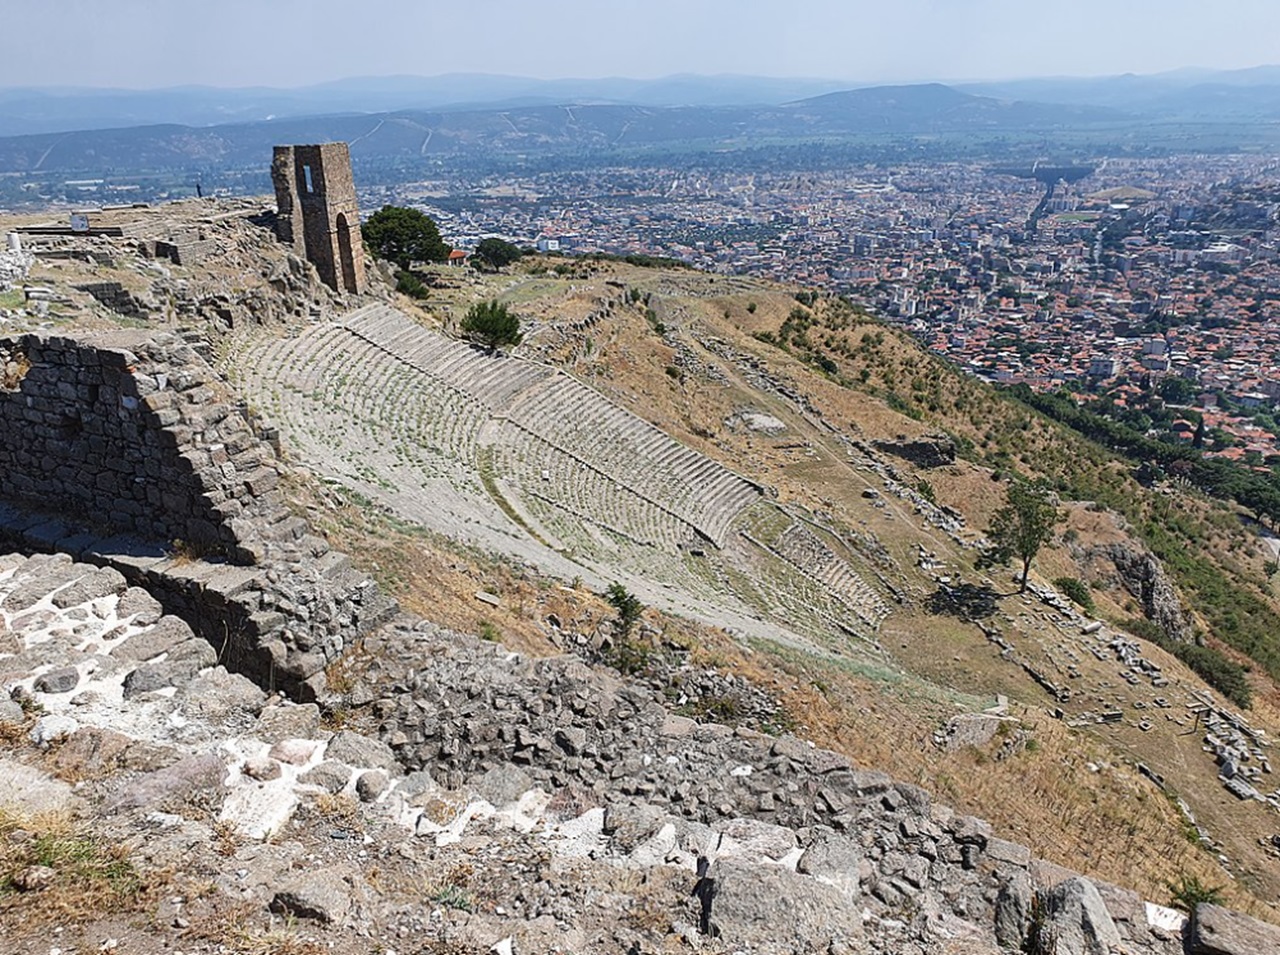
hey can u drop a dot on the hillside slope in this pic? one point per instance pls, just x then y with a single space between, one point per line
813 490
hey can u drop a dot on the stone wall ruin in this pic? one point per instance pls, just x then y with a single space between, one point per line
125 449
317 211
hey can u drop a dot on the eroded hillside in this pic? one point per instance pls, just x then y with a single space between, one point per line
794 526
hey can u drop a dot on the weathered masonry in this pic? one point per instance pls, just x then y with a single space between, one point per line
125 449
317 211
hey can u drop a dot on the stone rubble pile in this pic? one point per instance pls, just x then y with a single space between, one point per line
490 764
125 449
470 714
14 267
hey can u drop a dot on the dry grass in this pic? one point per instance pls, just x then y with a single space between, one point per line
1112 823
337 807
240 928
52 871
13 371
225 842
274 941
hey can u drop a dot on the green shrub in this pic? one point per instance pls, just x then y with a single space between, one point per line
493 324
409 284
1076 591
926 491
1189 891
628 607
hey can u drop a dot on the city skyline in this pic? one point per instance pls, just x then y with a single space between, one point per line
290 43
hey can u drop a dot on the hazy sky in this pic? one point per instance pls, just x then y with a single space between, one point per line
145 43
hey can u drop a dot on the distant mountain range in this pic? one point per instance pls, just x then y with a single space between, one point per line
1182 94
415 134
1185 93
50 110
402 120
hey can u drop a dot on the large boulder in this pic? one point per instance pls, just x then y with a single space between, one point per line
768 908
1013 911
1074 921
1217 931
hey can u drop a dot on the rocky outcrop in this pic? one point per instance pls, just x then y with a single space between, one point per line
1142 575
544 802
1218 931
1074 921
929 451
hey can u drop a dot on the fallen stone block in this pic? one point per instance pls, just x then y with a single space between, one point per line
1075 921
322 896
1219 931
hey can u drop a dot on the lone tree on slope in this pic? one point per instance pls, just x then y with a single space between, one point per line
404 236
492 324
1020 528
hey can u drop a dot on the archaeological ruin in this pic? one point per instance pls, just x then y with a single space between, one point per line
240 704
318 214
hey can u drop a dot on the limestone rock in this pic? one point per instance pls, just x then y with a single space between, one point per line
832 858
223 698
174 784
295 752
630 825
61 680
372 784
1143 576
139 606
287 721
323 896
1013 911
103 582
166 634
503 785
26 790
51 728
331 776
771 909
1219 931
1075 921
11 712
356 750
261 768
91 751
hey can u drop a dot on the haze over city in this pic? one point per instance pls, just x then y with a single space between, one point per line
138 43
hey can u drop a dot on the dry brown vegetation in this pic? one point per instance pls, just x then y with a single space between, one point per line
1074 796
52 870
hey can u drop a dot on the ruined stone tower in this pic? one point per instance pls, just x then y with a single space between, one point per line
318 212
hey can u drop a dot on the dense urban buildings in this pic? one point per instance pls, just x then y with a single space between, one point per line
1142 277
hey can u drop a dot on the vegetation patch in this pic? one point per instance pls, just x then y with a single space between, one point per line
51 872
1215 668
1077 591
